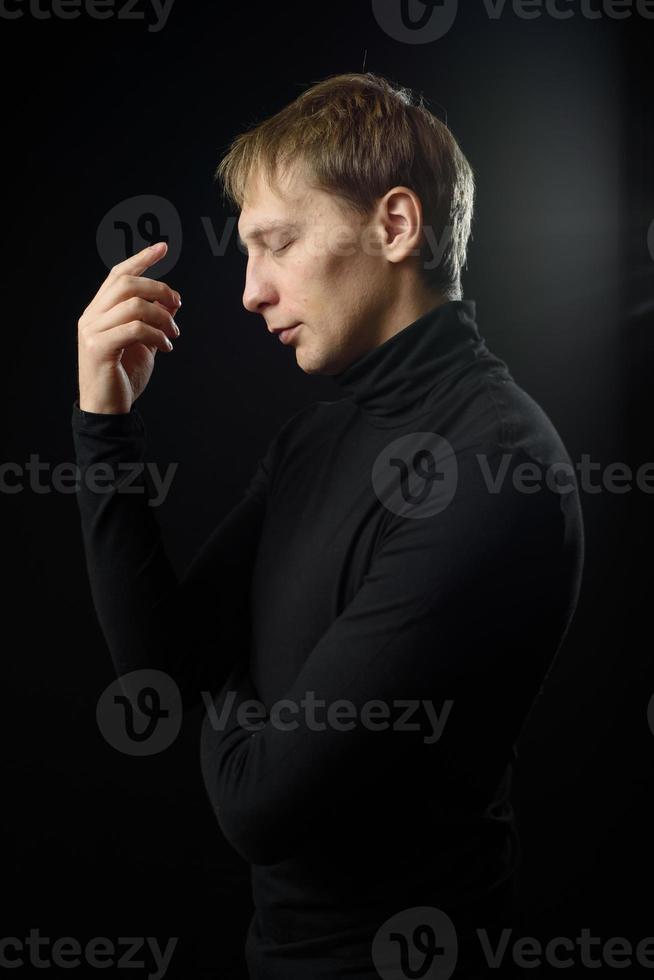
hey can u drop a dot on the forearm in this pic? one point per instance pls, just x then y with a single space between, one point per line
192 628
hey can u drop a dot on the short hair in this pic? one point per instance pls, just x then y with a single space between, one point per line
358 136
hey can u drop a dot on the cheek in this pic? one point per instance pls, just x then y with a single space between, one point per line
317 271
336 276
332 251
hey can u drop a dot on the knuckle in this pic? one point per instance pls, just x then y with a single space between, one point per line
121 283
89 342
85 317
136 304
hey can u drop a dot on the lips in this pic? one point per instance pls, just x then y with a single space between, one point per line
287 334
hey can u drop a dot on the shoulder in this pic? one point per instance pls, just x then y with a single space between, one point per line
485 407
510 459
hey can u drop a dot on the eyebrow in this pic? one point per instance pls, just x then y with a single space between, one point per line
258 231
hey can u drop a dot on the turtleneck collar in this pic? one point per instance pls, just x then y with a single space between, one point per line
393 380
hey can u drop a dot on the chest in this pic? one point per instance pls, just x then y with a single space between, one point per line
323 525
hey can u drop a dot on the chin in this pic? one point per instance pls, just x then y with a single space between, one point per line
308 366
311 362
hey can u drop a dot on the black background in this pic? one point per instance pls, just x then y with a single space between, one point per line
556 119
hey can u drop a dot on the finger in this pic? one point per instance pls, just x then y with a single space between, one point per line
126 287
169 311
111 342
135 308
135 265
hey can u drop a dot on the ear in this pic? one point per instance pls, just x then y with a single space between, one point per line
400 224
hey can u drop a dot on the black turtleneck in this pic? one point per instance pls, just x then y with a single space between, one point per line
394 614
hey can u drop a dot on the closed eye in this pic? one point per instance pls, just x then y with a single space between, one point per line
283 248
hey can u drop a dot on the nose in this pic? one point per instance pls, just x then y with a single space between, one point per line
259 291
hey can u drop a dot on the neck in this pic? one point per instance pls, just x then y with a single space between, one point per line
393 381
403 310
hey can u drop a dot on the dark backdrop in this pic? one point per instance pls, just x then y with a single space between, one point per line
555 117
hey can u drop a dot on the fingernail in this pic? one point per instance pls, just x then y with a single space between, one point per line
176 328
179 299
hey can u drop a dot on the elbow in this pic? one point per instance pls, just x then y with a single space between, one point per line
258 828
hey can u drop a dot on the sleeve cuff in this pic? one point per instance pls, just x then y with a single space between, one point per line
105 422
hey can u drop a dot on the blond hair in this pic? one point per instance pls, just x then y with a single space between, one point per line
358 136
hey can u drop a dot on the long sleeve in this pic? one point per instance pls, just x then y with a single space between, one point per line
439 594
193 628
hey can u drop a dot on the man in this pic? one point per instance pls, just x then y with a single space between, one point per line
401 570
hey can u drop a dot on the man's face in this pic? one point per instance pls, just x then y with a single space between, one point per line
319 267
